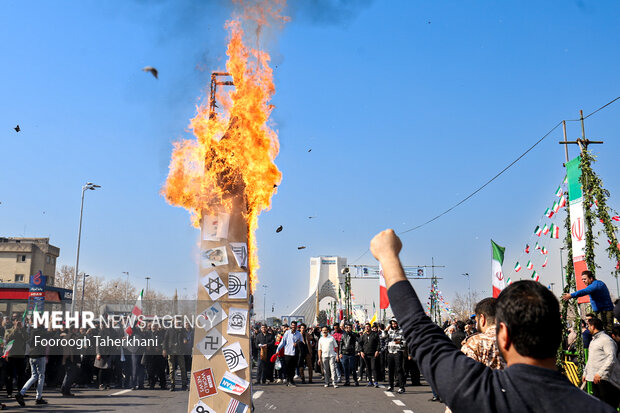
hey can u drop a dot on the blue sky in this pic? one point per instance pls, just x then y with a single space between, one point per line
407 106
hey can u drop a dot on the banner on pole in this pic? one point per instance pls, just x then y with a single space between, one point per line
577 223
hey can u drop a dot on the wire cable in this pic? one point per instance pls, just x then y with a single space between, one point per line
485 184
497 175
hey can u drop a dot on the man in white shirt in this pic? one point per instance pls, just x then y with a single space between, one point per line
328 350
602 368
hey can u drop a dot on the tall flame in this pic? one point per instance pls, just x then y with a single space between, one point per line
233 152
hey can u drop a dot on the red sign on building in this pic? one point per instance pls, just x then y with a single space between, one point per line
205 383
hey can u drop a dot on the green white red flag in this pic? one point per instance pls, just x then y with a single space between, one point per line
498 281
135 313
616 218
535 276
384 301
7 348
545 230
555 231
538 230
545 263
577 222
544 251
556 206
527 248
559 191
549 212
562 201
530 266
517 267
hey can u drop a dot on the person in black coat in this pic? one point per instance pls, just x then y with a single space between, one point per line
371 344
265 342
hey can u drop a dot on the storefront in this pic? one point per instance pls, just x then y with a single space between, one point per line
14 298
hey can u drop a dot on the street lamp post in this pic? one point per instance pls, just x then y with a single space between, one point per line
84 275
468 291
126 287
92 187
147 284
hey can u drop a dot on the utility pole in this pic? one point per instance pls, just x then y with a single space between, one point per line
583 142
435 310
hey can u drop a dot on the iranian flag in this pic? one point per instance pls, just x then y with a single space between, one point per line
530 266
616 218
559 191
544 251
556 206
545 263
517 267
527 248
538 230
498 281
8 347
562 201
555 231
384 301
508 281
535 276
549 212
135 313
545 230
536 247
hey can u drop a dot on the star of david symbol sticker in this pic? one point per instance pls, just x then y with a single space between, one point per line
214 286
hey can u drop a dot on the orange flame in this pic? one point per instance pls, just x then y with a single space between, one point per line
235 150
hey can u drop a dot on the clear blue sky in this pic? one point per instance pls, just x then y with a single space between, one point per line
407 106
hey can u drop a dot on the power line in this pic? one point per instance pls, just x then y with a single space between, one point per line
503 170
485 184
497 175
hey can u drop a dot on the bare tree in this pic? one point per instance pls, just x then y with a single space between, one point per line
463 305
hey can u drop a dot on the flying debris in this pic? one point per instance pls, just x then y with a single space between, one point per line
303 247
311 217
150 70
310 150
280 228
17 128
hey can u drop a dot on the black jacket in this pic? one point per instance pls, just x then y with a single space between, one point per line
519 388
371 343
348 343
268 339
173 341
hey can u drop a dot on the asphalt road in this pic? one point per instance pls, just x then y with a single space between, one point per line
113 400
311 398
317 399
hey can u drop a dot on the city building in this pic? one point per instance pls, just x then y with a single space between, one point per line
19 259
22 257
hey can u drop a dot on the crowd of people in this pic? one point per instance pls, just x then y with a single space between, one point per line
29 360
343 354
505 350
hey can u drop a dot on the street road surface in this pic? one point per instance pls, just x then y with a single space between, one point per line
273 398
314 398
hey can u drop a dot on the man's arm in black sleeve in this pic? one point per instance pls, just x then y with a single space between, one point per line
454 376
